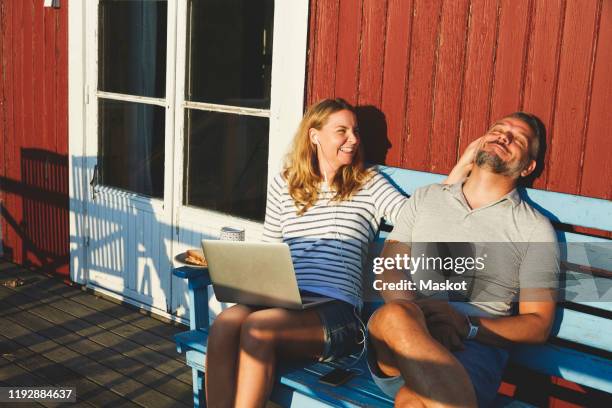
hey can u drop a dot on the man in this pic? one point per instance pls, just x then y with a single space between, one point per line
430 352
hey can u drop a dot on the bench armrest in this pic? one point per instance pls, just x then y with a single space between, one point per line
197 281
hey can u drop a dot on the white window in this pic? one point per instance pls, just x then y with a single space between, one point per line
180 112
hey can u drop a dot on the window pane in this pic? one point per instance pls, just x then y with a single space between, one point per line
131 146
229 49
226 163
132 47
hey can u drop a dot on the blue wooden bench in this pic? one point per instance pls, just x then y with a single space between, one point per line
579 349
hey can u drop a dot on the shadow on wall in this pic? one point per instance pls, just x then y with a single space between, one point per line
373 132
43 225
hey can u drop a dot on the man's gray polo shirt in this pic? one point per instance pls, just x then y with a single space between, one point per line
518 242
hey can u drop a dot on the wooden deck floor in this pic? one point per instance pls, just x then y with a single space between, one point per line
52 334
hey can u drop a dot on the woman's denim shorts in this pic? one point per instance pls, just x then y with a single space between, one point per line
342 329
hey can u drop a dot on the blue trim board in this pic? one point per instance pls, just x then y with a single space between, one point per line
559 207
572 365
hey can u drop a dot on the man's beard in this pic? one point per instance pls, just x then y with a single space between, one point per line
495 163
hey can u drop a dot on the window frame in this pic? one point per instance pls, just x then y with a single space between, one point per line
286 106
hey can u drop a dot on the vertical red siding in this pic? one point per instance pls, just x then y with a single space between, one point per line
372 54
34 133
347 61
448 82
542 66
598 151
509 57
573 95
323 69
421 83
441 70
395 76
478 70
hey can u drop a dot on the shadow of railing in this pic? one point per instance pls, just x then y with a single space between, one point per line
43 224
52 332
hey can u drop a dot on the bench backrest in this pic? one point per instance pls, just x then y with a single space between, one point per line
580 347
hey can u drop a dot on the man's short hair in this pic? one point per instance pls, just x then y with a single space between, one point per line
538 129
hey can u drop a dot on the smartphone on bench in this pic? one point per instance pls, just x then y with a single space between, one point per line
337 376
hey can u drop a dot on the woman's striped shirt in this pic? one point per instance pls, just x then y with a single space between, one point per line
329 243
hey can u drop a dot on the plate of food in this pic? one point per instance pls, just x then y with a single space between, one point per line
194 258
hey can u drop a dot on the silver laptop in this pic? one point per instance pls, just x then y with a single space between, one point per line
255 273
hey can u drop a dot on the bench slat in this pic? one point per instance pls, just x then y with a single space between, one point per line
191 340
363 382
347 395
565 208
303 379
589 370
583 328
595 292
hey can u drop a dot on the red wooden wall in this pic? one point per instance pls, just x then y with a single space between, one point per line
34 133
431 75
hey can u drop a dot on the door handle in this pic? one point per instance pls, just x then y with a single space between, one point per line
94 182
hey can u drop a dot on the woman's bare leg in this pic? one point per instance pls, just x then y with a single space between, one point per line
266 335
222 354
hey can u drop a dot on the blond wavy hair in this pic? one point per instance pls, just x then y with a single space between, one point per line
301 168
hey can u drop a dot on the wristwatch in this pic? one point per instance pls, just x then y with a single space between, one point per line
473 328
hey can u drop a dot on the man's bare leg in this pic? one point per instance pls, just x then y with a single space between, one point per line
433 376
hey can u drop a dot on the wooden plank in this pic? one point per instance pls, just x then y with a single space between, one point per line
348 49
575 366
358 392
107 337
448 85
85 366
573 209
48 291
128 315
542 67
12 375
13 202
61 85
425 29
584 329
51 290
49 114
3 122
510 57
395 80
372 52
57 375
564 208
47 322
576 63
325 49
372 124
597 166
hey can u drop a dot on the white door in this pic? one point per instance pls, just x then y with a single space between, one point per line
190 106
129 138
239 98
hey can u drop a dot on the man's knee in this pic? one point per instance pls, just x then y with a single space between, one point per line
405 398
395 315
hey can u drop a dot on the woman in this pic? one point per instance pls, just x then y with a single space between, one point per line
326 206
